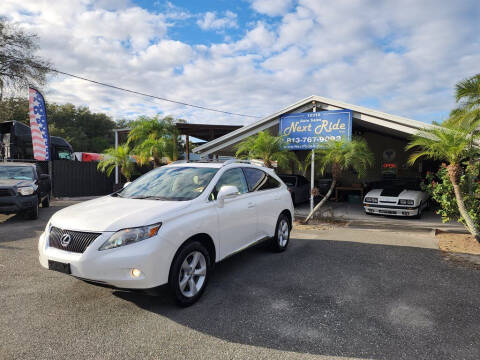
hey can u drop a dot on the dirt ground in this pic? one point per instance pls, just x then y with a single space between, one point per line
458 243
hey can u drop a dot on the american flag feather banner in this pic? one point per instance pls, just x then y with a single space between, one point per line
38 125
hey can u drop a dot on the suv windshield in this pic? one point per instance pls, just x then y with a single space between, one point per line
170 183
16 172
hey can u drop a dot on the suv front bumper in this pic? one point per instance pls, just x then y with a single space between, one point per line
15 204
113 267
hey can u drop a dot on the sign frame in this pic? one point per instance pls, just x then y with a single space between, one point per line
307 131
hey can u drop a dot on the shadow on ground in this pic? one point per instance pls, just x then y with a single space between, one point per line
337 298
18 227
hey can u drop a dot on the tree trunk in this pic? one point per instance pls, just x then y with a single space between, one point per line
454 174
323 201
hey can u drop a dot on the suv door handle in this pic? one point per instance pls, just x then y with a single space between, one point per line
251 205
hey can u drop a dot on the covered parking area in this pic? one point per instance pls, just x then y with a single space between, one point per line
386 134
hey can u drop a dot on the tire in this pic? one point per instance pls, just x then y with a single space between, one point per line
187 287
46 202
281 239
32 213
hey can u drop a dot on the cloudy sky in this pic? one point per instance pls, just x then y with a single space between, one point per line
255 56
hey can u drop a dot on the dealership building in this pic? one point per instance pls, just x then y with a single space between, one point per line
387 135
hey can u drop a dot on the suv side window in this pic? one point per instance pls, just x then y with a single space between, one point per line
255 178
270 183
259 180
233 177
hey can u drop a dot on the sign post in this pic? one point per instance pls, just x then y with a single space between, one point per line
308 131
312 169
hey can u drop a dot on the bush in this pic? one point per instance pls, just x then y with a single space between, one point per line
439 187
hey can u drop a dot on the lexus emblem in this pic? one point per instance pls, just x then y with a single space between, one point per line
65 240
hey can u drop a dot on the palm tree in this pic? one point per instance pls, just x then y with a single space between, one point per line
338 156
267 147
467 114
117 157
452 144
154 138
152 148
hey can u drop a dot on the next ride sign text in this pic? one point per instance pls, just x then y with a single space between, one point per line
306 131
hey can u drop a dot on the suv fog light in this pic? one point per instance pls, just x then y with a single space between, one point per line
135 273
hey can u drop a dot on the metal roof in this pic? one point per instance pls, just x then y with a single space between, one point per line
362 115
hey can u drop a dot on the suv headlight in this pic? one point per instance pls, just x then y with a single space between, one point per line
26 190
371 200
405 202
130 236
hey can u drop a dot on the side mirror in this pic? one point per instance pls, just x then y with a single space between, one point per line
126 184
227 191
44 177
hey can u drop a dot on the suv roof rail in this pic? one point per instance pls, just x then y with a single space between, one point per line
224 162
232 161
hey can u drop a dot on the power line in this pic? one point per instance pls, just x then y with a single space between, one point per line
136 92
151 96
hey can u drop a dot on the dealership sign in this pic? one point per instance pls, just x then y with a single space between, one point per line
305 131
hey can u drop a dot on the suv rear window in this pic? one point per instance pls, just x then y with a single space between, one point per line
259 180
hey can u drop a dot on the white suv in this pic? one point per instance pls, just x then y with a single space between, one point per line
170 226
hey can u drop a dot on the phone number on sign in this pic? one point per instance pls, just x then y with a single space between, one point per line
312 139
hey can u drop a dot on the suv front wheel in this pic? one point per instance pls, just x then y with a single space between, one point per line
32 213
282 234
189 273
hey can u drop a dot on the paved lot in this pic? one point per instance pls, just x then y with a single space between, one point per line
322 298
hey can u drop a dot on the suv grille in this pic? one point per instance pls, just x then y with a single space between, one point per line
5 192
79 241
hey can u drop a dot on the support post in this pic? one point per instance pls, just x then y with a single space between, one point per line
50 173
312 168
187 148
116 167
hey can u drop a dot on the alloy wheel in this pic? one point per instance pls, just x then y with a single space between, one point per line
193 273
283 233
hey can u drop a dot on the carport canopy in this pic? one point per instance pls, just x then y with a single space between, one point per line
370 119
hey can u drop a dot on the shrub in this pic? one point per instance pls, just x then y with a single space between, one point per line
440 188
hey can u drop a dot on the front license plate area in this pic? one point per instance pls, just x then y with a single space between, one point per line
390 212
60 267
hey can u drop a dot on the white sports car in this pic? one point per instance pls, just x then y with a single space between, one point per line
398 197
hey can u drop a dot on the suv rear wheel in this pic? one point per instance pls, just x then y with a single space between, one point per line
189 273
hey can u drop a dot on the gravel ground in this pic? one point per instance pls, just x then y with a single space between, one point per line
322 298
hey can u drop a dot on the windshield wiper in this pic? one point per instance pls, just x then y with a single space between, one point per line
149 197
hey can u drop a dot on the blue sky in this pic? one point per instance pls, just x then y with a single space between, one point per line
255 56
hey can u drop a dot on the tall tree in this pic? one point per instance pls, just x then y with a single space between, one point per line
338 156
450 143
19 66
84 130
266 147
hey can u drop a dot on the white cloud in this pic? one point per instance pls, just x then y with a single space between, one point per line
210 21
163 55
272 7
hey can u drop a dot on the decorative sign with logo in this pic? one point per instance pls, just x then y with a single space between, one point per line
305 131
389 155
